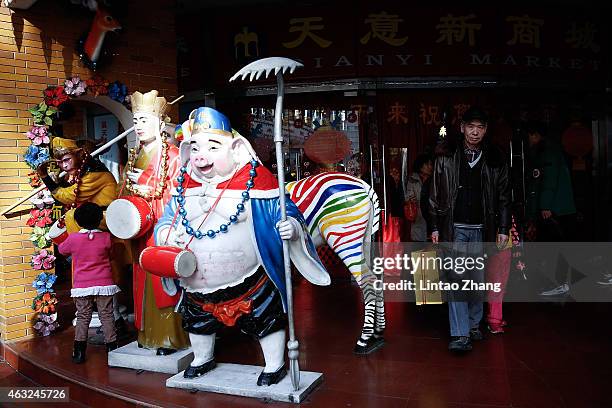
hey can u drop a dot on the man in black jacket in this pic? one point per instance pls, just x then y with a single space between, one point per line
469 204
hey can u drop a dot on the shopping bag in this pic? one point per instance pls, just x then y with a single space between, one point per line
426 278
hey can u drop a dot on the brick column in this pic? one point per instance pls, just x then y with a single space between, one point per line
36 51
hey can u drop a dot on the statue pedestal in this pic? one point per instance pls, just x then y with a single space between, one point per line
238 379
131 356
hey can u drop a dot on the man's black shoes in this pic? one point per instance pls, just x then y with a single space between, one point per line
460 344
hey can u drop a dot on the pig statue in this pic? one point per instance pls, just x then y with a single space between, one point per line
225 209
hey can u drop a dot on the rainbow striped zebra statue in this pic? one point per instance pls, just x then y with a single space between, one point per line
343 211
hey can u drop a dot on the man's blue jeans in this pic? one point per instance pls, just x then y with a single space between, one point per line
466 314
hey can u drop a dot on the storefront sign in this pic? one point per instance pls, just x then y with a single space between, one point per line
388 41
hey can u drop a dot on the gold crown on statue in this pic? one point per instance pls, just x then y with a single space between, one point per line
149 103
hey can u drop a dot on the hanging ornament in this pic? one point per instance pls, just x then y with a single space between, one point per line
352 117
89 46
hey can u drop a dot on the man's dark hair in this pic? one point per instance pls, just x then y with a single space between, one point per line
88 215
535 127
420 161
475 113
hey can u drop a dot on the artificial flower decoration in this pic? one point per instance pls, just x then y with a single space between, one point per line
75 86
47 198
42 114
55 96
44 281
37 200
46 324
43 199
40 218
38 135
34 180
45 303
97 86
40 238
117 91
44 260
36 155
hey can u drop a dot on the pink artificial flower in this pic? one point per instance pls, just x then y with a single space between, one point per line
43 260
34 215
37 261
75 86
38 135
40 218
44 218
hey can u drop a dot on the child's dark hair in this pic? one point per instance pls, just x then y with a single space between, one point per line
88 215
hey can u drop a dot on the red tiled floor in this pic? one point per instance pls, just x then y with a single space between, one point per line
551 356
339 399
530 390
462 385
392 379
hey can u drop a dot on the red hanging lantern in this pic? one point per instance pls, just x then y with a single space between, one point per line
327 146
577 141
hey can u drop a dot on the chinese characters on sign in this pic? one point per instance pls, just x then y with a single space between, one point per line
582 37
305 28
459 109
454 29
397 113
386 43
429 114
384 27
526 30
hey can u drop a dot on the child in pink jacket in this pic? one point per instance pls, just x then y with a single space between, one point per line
92 279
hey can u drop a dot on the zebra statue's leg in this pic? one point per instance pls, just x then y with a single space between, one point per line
379 322
371 337
349 246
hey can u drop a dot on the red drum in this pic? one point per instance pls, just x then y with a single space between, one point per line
57 233
129 217
168 262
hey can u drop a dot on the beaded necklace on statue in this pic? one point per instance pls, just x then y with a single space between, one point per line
232 219
161 185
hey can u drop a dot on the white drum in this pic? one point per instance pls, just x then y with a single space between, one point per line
129 217
57 234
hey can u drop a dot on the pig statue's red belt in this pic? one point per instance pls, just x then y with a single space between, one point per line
230 311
